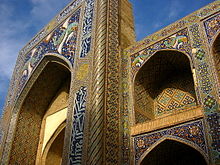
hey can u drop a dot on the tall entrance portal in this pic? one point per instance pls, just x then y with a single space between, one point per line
41 123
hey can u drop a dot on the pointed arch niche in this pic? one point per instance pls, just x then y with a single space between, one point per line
163 85
216 55
41 116
173 152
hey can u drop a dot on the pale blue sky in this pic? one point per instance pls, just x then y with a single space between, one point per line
20 20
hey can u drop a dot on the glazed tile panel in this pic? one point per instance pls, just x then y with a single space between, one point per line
75 156
62 42
59 18
192 133
87 29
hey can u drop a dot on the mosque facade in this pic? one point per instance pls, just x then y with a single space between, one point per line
83 91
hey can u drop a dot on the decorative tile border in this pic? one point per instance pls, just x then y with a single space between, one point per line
126 109
191 133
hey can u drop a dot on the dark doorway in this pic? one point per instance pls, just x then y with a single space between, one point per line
171 152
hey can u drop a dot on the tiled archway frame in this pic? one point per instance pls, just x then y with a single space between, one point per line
16 110
208 90
54 43
193 46
191 133
212 31
178 41
32 59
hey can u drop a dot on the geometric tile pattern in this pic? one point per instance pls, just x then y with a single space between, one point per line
214 122
112 124
75 156
171 99
209 102
211 107
26 138
192 133
206 84
200 54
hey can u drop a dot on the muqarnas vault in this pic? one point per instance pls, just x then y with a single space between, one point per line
84 91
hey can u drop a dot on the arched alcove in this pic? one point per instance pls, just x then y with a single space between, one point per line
47 97
172 152
216 55
163 85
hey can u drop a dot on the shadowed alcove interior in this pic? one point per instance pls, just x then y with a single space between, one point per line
37 123
216 56
172 152
163 85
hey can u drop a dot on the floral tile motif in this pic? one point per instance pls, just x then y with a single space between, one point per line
212 27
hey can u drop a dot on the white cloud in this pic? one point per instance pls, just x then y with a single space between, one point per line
10 43
47 9
174 9
158 24
13 37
